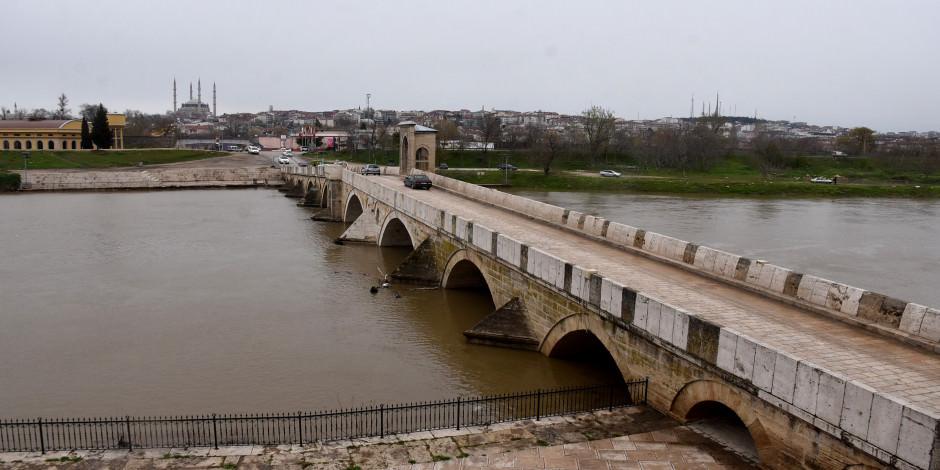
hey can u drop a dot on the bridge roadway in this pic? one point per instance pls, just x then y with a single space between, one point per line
886 365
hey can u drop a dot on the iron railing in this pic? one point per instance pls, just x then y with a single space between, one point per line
42 435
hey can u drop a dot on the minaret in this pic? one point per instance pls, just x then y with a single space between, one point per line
215 110
199 89
174 94
190 91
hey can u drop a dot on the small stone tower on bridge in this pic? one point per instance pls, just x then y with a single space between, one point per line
418 147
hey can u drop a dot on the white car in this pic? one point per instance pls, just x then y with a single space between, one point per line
283 160
287 153
610 173
822 180
253 150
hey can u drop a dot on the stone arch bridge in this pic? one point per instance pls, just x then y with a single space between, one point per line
821 374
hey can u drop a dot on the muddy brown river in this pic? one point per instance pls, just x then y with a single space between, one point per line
180 302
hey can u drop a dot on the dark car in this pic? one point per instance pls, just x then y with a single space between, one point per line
507 166
418 182
442 166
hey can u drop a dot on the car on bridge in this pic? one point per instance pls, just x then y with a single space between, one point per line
283 160
418 182
370 170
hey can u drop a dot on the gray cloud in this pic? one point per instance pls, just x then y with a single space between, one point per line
834 62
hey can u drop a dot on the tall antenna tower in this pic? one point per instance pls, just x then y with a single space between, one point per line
215 110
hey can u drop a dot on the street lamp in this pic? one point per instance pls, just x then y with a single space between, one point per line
24 183
506 167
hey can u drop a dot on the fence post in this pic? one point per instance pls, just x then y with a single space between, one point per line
42 440
458 413
382 420
300 428
130 440
610 397
538 404
215 433
646 386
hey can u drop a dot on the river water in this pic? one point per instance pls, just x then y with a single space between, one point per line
890 246
181 302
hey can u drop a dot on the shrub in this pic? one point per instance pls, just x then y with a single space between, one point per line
9 181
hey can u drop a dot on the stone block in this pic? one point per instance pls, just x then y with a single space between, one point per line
641 308
764 360
744 355
703 339
754 273
621 234
482 238
850 303
885 424
856 409
611 297
930 327
508 250
595 284
727 344
653 312
778 281
807 387
792 284
581 282
917 439
705 258
680 332
463 228
829 397
805 289
627 305
667 320
912 318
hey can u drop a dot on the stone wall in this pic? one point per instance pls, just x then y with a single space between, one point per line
155 178
908 321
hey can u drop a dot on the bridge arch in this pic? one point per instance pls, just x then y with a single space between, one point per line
727 412
463 271
395 232
353 207
581 333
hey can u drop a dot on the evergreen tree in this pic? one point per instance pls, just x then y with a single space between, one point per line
100 131
86 135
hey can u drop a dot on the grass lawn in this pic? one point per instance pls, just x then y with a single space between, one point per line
696 184
46 160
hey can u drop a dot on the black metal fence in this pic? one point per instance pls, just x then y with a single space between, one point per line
301 428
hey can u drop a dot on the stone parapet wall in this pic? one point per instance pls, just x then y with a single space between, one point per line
155 178
883 313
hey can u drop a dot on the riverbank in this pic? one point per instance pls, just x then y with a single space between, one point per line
705 185
624 438
48 160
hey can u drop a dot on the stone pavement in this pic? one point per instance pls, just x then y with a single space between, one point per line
883 364
628 438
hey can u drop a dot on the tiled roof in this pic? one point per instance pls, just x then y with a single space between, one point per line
23 124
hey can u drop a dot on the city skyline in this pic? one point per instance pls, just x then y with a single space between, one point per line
827 67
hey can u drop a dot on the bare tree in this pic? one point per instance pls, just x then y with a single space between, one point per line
39 114
599 126
491 129
446 131
62 111
548 145
4 112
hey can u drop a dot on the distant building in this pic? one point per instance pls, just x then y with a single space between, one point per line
54 134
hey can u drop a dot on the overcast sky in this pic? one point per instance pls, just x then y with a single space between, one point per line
851 62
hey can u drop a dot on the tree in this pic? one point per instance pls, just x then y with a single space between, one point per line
100 130
491 129
62 111
86 136
88 111
768 153
858 141
4 112
546 144
446 131
38 114
599 127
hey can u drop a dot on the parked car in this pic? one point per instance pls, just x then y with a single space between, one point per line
442 166
822 180
371 170
418 182
283 160
610 173
507 166
253 150
304 149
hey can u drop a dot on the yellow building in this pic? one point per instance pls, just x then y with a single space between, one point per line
52 134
